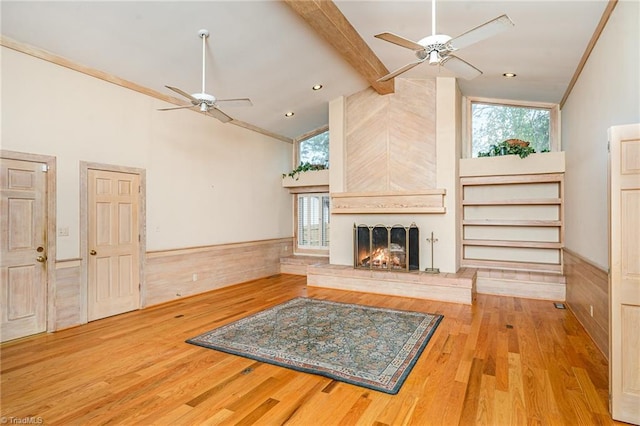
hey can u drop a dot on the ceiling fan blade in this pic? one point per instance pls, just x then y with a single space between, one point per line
481 32
399 40
235 102
183 93
460 68
180 107
400 70
216 113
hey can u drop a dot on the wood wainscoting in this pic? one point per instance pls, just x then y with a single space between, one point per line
588 297
68 301
172 274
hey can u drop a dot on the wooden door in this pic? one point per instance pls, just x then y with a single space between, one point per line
113 282
23 253
624 285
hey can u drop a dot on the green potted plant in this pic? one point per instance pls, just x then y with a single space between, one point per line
509 147
304 167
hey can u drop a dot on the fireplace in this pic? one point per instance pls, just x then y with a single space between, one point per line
390 248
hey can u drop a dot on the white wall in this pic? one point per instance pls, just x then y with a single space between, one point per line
606 94
207 182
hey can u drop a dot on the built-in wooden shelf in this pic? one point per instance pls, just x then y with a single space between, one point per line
502 214
311 178
508 222
512 179
514 202
512 266
504 243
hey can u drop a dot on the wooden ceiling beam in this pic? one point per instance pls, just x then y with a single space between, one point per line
327 20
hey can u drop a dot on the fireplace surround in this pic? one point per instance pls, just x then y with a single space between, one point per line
386 248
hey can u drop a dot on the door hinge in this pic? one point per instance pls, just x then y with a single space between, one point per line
139 238
45 167
608 146
139 190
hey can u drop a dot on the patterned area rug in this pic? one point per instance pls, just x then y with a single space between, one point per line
366 346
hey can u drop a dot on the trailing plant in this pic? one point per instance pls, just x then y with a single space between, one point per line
509 147
304 167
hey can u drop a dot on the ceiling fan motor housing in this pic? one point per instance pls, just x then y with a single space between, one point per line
433 46
203 98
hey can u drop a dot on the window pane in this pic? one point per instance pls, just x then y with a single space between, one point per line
325 221
315 150
492 124
303 206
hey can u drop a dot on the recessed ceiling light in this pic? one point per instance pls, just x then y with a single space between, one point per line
317 87
509 74
288 114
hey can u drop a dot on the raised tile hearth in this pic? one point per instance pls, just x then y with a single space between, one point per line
297 264
447 287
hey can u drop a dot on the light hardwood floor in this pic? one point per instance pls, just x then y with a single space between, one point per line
501 361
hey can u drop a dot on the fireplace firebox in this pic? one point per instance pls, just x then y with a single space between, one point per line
381 247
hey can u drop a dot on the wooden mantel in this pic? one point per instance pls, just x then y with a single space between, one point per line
425 201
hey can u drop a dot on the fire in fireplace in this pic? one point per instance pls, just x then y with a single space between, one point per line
391 248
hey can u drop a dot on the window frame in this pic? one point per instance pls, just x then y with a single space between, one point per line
554 112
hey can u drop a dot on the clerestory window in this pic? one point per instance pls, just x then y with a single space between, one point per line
314 149
494 121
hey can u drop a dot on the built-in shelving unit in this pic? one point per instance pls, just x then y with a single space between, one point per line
513 222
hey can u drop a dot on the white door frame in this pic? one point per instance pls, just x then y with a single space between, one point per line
50 208
84 220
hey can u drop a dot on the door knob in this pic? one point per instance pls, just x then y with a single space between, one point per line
93 252
41 259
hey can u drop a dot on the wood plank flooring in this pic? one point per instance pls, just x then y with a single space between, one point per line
501 361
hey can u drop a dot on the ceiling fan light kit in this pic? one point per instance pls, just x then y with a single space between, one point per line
204 102
434 57
439 48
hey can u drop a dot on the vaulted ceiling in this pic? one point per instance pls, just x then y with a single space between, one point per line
275 51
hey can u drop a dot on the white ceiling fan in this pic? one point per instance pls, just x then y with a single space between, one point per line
203 101
439 48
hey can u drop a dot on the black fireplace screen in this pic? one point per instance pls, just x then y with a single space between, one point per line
393 248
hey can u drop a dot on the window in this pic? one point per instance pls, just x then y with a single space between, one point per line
313 221
312 205
314 149
493 122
